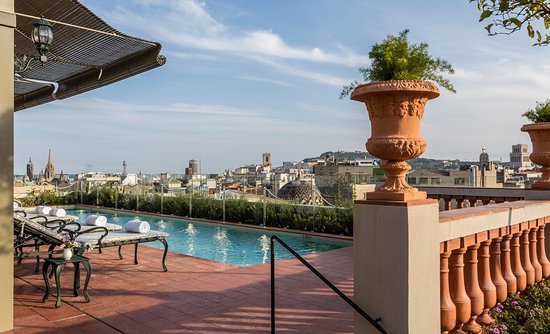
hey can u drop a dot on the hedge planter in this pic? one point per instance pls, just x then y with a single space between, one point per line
540 138
395 110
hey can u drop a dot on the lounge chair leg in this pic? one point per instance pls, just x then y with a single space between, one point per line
46 281
165 252
135 254
120 252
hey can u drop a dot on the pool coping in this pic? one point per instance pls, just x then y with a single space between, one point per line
171 216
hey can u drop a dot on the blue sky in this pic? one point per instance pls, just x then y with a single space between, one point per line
245 77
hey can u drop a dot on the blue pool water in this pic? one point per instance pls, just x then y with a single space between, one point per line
238 246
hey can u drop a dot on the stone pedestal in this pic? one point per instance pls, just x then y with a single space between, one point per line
396 265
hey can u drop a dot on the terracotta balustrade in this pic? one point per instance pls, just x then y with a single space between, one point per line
541 252
533 254
472 289
526 258
496 270
458 290
483 268
507 273
486 285
517 268
448 309
470 197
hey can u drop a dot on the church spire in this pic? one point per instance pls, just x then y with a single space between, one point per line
49 171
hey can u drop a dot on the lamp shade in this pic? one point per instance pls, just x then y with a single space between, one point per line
42 36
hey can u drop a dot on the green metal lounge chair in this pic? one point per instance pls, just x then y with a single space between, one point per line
33 234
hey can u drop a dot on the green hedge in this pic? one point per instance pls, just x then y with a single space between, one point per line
326 220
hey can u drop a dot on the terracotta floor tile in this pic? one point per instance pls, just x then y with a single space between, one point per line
195 296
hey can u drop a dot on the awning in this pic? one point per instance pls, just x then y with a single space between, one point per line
86 52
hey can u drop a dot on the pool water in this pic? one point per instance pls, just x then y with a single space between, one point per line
238 246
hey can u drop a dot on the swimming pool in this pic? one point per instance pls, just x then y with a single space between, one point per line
234 245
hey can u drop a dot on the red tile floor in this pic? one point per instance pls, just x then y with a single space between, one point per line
194 296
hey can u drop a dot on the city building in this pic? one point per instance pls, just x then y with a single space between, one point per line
333 171
519 158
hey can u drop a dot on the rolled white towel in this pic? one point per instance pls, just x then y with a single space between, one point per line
96 220
58 212
43 210
137 226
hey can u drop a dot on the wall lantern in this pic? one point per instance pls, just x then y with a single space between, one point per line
42 37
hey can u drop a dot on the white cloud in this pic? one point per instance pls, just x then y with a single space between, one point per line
274 82
189 25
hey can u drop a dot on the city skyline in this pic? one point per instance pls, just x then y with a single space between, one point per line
124 165
247 77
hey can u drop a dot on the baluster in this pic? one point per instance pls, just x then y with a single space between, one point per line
448 205
507 272
533 254
472 289
448 309
525 258
460 203
541 252
517 269
496 270
485 283
458 290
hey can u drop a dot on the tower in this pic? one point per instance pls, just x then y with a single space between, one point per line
194 167
49 171
519 158
30 170
266 159
124 165
484 159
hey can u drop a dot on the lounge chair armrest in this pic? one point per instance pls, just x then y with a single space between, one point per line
20 212
96 229
39 219
63 224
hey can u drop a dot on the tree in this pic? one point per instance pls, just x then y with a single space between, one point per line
397 59
509 16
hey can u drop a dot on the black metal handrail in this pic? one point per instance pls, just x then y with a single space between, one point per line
350 302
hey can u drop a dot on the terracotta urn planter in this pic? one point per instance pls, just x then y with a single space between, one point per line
540 138
395 110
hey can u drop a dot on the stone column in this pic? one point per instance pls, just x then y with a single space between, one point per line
7 24
397 265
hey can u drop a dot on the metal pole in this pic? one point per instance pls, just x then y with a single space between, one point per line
272 252
223 201
161 198
265 207
191 202
313 195
137 198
